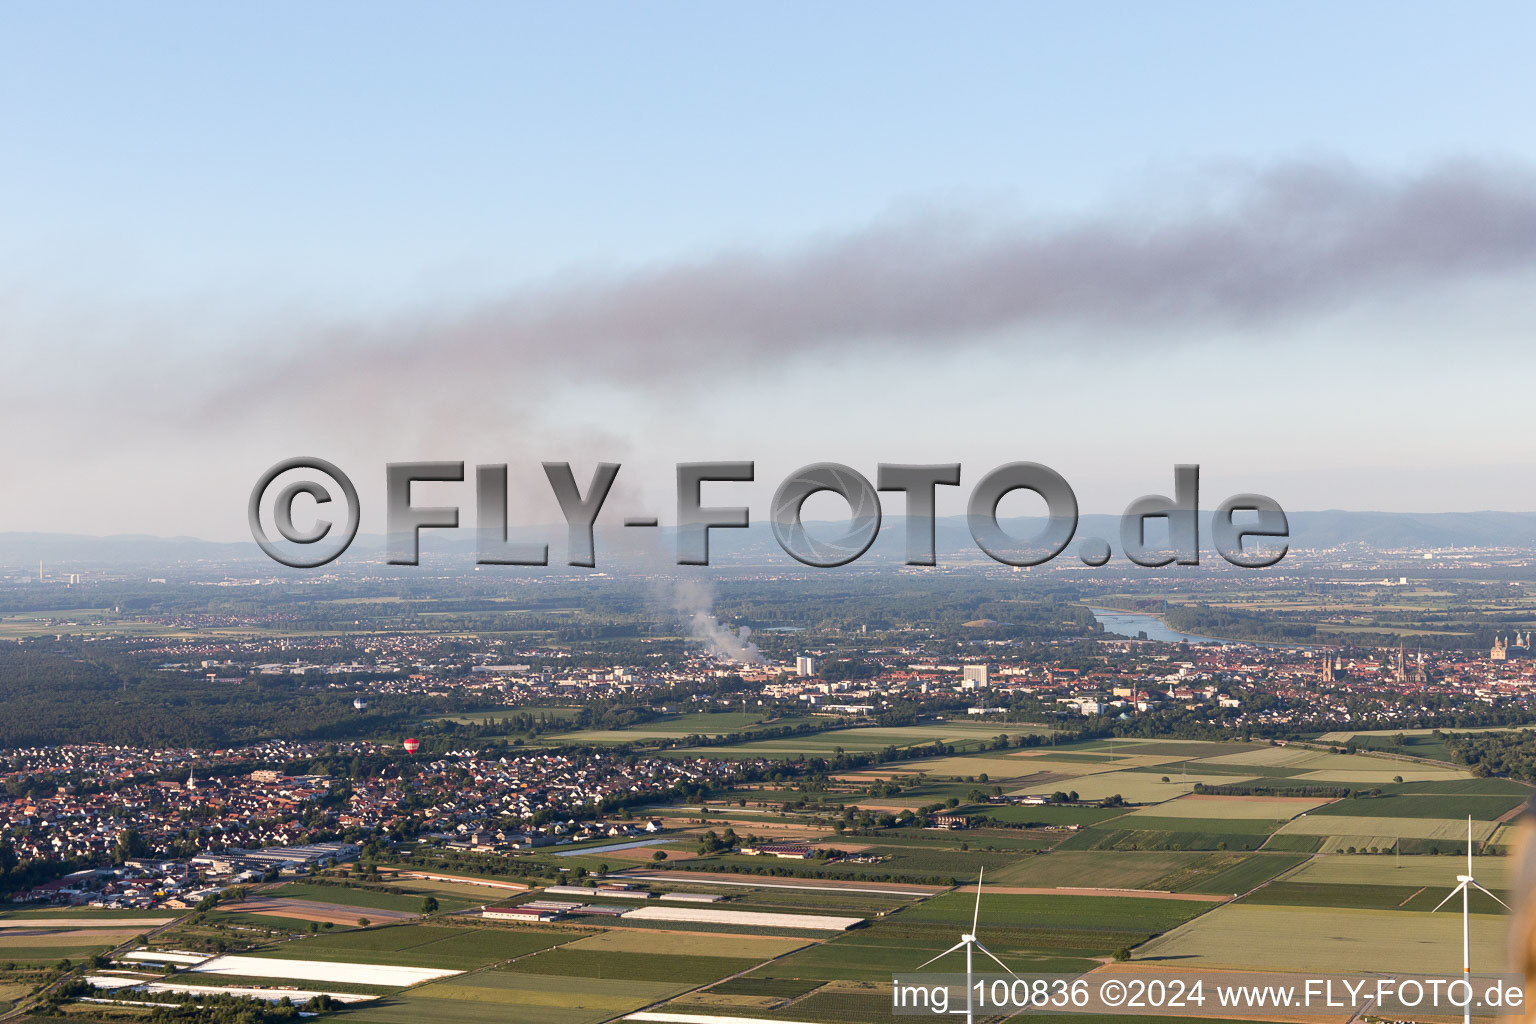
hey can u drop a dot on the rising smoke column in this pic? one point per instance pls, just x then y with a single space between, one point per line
724 642
692 601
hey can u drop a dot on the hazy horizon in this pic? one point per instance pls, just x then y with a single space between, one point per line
857 235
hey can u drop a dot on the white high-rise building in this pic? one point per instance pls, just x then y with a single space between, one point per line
805 665
974 677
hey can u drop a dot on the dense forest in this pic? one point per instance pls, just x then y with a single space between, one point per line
1496 753
53 692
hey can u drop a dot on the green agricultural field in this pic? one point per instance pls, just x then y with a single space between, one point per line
1091 761
500 711
710 944
865 739
1137 787
1426 805
91 938
1229 772
270 922
1345 769
1413 746
1382 776
779 988
1063 764
1031 766
71 945
504 997
676 727
910 858
1156 823
9 993
1060 925
1111 838
1171 871
1446 830
1029 933
706 723
1504 838
1419 898
997 767
1000 767
1079 869
945 839
845 1003
1346 736
37 956
929 792
875 953
1294 844
136 918
1087 756
1471 786
1230 807
1306 939
1281 757
842 1002
1494 872
602 963
348 896
1050 814
913 840
465 894
1248 872
419 945
1192 749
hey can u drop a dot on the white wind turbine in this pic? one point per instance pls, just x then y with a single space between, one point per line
1465 884
968 940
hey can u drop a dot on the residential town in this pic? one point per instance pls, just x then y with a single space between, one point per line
116 809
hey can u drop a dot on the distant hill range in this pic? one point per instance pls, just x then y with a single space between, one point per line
1414 530
1309 530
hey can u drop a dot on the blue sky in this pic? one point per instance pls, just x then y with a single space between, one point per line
194 195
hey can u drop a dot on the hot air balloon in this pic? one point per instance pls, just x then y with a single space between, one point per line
360 704
412 745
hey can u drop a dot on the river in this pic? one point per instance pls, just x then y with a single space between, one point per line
1132 624
1129 624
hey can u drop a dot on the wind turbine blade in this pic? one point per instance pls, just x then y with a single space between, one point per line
1448 896
941 956
1499 901
995 960
1469 847
976 917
